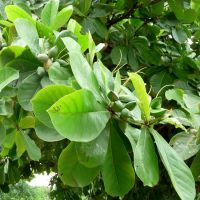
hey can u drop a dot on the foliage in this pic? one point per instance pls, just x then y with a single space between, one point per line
105 93
23 191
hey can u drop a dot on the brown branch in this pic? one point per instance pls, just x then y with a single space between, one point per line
123 16
127 14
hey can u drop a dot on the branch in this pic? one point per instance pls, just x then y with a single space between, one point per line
123 16
127 14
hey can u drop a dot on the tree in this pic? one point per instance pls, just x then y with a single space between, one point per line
104 93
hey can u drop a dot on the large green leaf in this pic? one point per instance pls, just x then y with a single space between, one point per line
145 159
2 133
76 28
161 79
27 90
32 149
179 35
49 12
45 98
71 171
144 101
19 141
79 109
7 75
59 75
176 95
192 102
133 135
47 134
82 70
195 167
177 7
178 171
117 170
28 32
185 144
92 154
14 12
62 17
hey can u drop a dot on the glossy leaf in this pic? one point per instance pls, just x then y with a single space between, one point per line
32 149
7 75
76 28
179 173
28 32
117 171
19 140
195 167
49 12
144 101
62 17
45 98
59 75
92 154
185 144
79 109
72 172
179 35
27 90
83 72
2 133
14 12
27 122
145 159
47 134
133 135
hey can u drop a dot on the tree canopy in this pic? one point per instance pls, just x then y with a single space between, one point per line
106 94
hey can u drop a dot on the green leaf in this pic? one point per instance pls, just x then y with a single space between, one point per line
119 55
176 95
9 140
62 17
47 134
117 171
85 5
161 79
179 35
59 75
92 154
177 7
2 133
27 122
45 98
71 171
145 159
133 135
49 12
144 101
185 144
195 167
28 32
27 90
104 77
178 171
31 148
19 140
14 12
76 28
82 71
2 174
192 102
79 109
7 75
